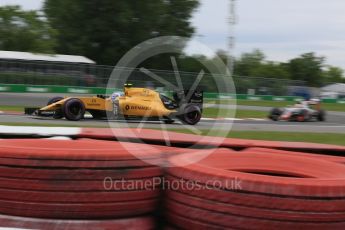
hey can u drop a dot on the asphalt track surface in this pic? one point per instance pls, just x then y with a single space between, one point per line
221 125
335 120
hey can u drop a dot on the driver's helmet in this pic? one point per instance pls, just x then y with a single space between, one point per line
304 104
115 95
298 104
301 104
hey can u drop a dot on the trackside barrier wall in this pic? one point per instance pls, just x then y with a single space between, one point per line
14 88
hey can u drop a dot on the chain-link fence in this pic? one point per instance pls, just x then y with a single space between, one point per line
47 73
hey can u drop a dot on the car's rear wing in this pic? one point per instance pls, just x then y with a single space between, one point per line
196 97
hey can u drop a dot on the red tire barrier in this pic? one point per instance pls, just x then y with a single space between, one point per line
65 179
96 215
79 207
138 223
243 210
95 150
298 146
78 179
188 223
155 136
337 159
77 211
317 178
48 163
81 185
269 201
237 221
79 174
77 197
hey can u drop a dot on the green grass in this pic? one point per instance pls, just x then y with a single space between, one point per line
250 114
325 106
11 108
265 103
334 107
214 112
324 138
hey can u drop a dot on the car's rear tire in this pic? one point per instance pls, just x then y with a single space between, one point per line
321 116
275 114
73 109
191 114
58 114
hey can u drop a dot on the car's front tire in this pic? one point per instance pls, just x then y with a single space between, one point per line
73 109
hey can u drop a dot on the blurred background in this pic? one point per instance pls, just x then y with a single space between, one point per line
78 43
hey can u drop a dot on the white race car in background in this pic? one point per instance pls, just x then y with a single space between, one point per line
299 112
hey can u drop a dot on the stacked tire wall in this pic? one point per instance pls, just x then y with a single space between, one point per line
73 183
88 182
256 189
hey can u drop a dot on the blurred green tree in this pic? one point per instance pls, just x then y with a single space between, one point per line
334 74
249 63
104 30
25 31
271 69
309 68
254 64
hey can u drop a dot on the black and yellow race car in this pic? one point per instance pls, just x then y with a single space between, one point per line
133 103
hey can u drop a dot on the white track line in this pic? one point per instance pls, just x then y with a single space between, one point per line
43 131
221 119
233 119
257 119
207 119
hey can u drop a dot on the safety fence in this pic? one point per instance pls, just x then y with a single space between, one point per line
86 75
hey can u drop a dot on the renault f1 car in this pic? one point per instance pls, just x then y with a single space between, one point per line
133 103
299 112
